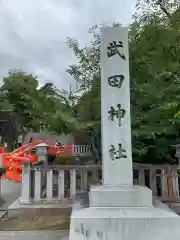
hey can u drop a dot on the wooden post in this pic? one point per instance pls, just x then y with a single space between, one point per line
0 177
37 195
61 185
141 177
153 184
83 180
49 185
26 184
72 183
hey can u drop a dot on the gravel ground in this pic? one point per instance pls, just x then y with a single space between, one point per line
41 219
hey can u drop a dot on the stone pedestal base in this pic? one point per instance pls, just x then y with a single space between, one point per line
143 223
120 196
132 219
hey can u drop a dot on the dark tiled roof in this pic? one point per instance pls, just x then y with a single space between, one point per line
65 139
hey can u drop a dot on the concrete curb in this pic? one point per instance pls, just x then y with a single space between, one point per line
55 232
2 213
36 235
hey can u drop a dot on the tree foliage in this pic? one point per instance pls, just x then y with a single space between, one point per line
35 107
154 42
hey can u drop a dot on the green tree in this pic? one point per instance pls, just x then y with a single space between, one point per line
154 70
155 91
86 73
19 89
35 107
154 40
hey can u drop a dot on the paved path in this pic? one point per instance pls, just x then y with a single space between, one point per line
41 235
10 191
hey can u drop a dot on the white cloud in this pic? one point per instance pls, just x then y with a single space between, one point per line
33 33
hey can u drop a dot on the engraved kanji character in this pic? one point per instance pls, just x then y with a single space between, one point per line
119 113
117 154
113 49
116 80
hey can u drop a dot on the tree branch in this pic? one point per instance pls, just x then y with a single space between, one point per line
160 3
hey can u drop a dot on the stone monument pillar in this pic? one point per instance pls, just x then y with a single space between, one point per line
118 210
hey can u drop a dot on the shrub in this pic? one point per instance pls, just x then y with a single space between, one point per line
65 161
2 171
51 158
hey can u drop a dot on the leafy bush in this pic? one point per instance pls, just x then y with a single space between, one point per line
51 158
64 161
2 171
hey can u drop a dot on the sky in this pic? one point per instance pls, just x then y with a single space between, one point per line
33 33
